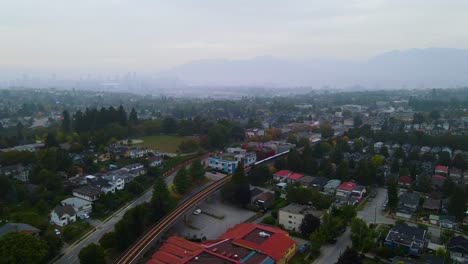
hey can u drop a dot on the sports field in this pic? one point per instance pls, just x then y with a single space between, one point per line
161 143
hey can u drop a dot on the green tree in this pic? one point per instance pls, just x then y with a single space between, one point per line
350 256
294 161
51 140
66 122
238 189
457 203
122 116
392 193
331 227
108 240
361 235
182 181
326 130
309 224
196 171
161 201
22 248
54 243
377 160
133 118
92 254
260 175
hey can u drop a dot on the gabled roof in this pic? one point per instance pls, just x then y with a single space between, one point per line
295 176
441 168
405 234
66 209
405 179
347 186
458 244
283 173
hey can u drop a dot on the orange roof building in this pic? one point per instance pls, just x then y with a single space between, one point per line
244 243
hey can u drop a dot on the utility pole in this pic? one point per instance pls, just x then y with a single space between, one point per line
375 214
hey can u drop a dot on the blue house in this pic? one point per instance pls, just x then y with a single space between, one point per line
410 239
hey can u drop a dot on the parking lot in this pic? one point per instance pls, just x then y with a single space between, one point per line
216 217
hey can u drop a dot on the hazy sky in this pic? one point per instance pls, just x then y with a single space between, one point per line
153 35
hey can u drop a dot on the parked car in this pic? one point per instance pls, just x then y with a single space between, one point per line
84 216
56 231
197 212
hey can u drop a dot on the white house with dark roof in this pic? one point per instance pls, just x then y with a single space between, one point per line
87 193
81 206
63 215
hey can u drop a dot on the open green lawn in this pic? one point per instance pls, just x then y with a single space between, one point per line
162 143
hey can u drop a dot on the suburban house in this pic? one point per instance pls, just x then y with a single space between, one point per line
119 174
331 186
358 191
292 215
264 200
101 184
319 182
441 170
118 180
227 162
282 175
254 132
80 206
408 205
378 146
405 181
345 189
295 177
137 152
135 169
63 215
437 181
447 221
87 193
154 161
410 239
18 172
19 227
306 181
433 205
456 175
243 243
457 247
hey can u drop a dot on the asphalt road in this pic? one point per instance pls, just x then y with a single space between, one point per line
329 254
371 213
71 253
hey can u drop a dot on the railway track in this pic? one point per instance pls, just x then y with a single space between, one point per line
132 254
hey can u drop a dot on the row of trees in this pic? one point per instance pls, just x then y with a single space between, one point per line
137 220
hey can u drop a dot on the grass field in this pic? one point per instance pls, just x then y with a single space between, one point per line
162 143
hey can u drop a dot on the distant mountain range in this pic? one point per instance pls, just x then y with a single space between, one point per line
414 68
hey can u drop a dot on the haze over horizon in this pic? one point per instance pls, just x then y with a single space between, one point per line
266 43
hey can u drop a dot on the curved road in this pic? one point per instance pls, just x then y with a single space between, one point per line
71 253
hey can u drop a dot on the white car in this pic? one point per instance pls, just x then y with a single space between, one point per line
56 231
84 216
197 212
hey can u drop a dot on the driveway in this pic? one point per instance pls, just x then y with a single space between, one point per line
70 254
372 212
